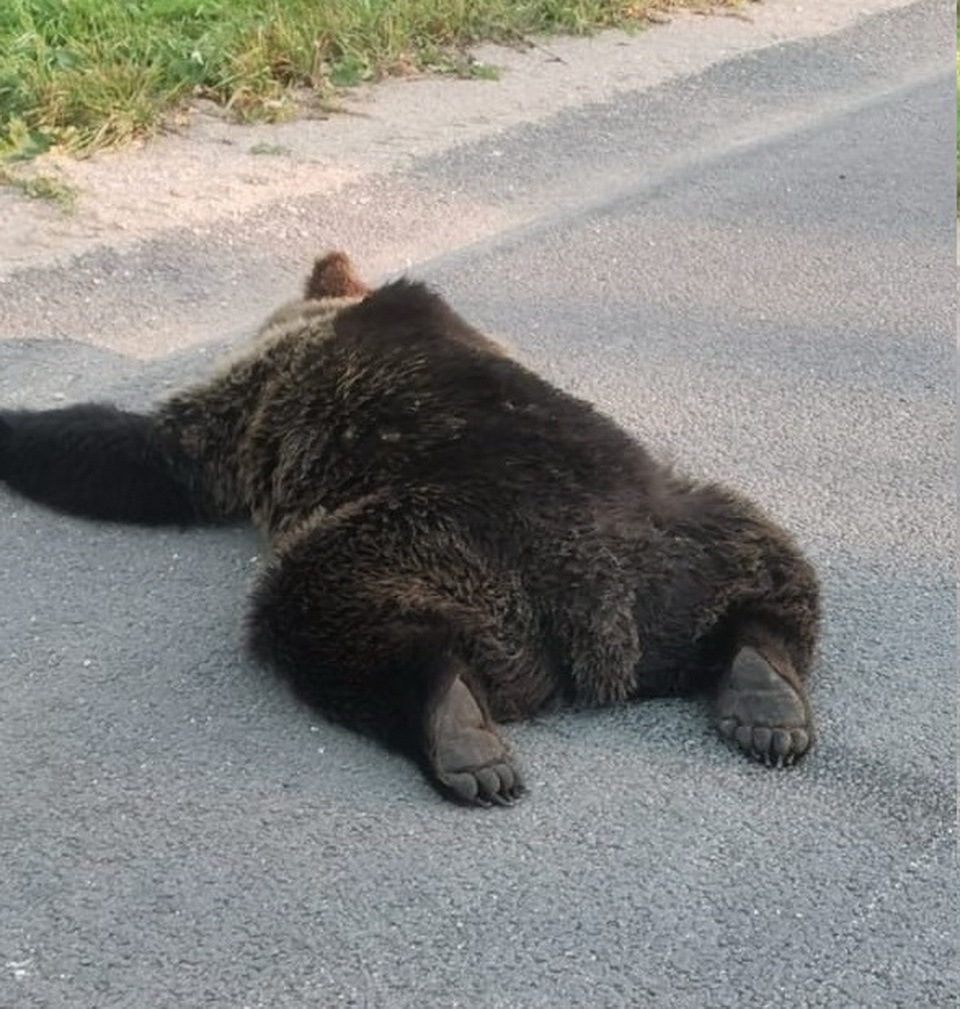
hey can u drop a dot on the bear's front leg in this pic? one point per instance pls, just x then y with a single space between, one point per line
100 462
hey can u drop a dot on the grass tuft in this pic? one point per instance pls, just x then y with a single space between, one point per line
89 74
40 187
271 150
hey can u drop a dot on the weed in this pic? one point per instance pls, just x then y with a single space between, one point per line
273 150
40 187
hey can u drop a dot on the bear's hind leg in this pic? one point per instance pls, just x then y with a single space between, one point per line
761 705
756 611
374 648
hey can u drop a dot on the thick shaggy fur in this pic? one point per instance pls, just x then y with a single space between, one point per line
454 541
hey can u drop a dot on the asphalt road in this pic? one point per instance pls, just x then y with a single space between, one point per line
752 268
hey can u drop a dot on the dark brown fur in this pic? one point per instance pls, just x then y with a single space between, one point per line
455 542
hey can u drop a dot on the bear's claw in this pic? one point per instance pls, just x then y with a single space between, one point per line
496 784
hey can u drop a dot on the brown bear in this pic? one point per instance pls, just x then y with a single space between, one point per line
453 541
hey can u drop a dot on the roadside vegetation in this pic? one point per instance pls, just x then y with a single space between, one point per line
83 75
39 186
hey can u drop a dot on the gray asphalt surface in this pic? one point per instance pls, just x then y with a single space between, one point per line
752 269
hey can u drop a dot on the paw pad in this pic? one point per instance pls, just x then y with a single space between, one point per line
762 712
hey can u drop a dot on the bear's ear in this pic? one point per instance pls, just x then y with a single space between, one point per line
333 277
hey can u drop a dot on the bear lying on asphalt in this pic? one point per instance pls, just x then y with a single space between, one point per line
454 542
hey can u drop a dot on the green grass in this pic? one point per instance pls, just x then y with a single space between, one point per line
85 74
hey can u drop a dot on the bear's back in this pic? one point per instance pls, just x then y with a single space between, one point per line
344 415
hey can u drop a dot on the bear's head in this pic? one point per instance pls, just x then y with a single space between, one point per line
402 311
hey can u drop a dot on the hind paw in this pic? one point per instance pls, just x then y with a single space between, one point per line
467 777
470 762
763 712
